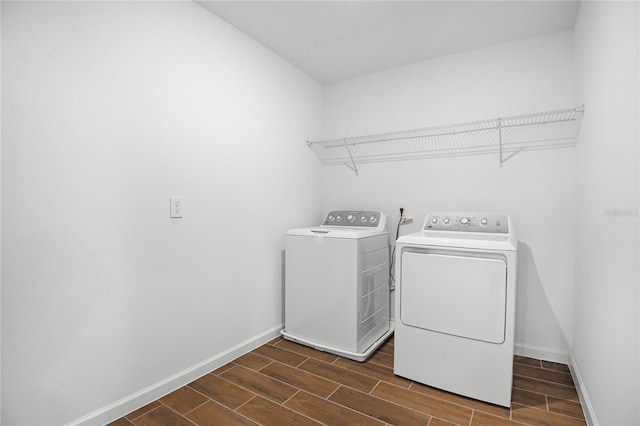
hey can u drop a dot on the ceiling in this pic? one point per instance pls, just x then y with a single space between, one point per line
336 40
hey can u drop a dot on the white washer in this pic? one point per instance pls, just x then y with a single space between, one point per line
337 284
455 305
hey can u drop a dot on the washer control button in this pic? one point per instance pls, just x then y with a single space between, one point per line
372 219
363 219
465 221
434 220
351 218
331 218
484 221
446 221
339 218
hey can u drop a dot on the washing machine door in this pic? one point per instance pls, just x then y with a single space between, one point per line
458 295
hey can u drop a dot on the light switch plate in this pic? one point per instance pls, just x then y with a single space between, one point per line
175 207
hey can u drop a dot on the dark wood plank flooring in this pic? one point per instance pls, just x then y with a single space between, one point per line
283 383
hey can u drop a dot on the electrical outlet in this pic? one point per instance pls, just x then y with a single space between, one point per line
175 207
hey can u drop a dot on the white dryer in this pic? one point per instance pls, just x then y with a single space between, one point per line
455 305
337 284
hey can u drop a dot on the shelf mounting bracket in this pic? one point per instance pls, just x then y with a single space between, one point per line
352 166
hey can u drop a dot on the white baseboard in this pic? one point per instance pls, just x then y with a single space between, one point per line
554 355
545 354
151 393
587 407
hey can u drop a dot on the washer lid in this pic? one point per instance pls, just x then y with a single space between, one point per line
335 232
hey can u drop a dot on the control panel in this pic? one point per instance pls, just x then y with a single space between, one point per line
366 219
496 223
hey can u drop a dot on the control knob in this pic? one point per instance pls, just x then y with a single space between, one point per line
484 221
434 220
351 218
363 219
373 219
465 221
331 218
446 221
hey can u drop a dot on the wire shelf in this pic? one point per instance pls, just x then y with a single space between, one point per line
504 135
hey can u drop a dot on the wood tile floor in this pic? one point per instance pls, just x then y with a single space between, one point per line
282 383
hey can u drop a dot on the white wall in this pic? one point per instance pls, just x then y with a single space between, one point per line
536 188
0 217
108 108
605 348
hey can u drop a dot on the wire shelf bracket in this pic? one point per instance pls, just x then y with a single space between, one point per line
505 136
352 166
